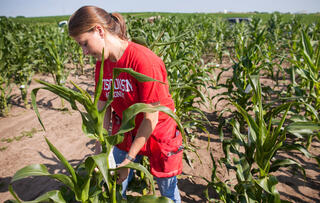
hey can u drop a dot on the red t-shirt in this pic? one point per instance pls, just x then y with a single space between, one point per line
128 90
164 145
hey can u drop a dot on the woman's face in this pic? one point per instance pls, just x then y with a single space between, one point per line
91 42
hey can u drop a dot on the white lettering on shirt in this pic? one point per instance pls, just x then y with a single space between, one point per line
120 86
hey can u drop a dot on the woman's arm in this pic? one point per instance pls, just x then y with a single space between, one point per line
146 128
106 123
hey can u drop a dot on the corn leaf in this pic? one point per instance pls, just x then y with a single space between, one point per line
298 147
63 161
303 127
139 76
34 105
128 116
101 162
31 170
285 163
89 166
54 195
88 125
141 168
153 199
41 170
98 90
307 47
268 184
114 139
17 200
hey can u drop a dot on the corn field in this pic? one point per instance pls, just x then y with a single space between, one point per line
268 104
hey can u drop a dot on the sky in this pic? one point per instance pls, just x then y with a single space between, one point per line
35 8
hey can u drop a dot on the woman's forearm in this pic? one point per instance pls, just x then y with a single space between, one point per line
146 128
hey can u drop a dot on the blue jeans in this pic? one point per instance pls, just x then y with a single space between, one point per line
168 186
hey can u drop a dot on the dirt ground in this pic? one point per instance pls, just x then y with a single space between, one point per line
22 143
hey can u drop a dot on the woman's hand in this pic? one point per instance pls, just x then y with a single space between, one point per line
123 172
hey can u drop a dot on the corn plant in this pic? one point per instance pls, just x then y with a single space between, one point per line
5 87
17 59
248 60
306 80
264 137
23 69
220 41
85 189
5 95
55 51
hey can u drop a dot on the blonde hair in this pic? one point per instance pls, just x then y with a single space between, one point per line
86 17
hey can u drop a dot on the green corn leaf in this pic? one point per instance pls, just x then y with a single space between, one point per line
279 127
312 110
103 110
285 163
64 179
152 199
63 161
309 61
139 76
236 131
268 184
303 127
101 162
34 105
54 196
308 51
193 89
114 139
64 92
41 170
128 116
317 57
307 47
71 96
276 111
298 147
31 170
139 167
88 125
98 91
157 40
250 121
17 200
82 91
89 166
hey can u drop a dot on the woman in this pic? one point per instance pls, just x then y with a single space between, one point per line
155 134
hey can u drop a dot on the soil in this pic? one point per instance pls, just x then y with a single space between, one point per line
22 143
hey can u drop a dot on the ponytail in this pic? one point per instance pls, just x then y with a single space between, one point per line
117 17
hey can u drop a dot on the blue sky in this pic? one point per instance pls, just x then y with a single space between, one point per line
31 8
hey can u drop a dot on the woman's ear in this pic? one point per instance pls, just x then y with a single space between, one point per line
100 30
